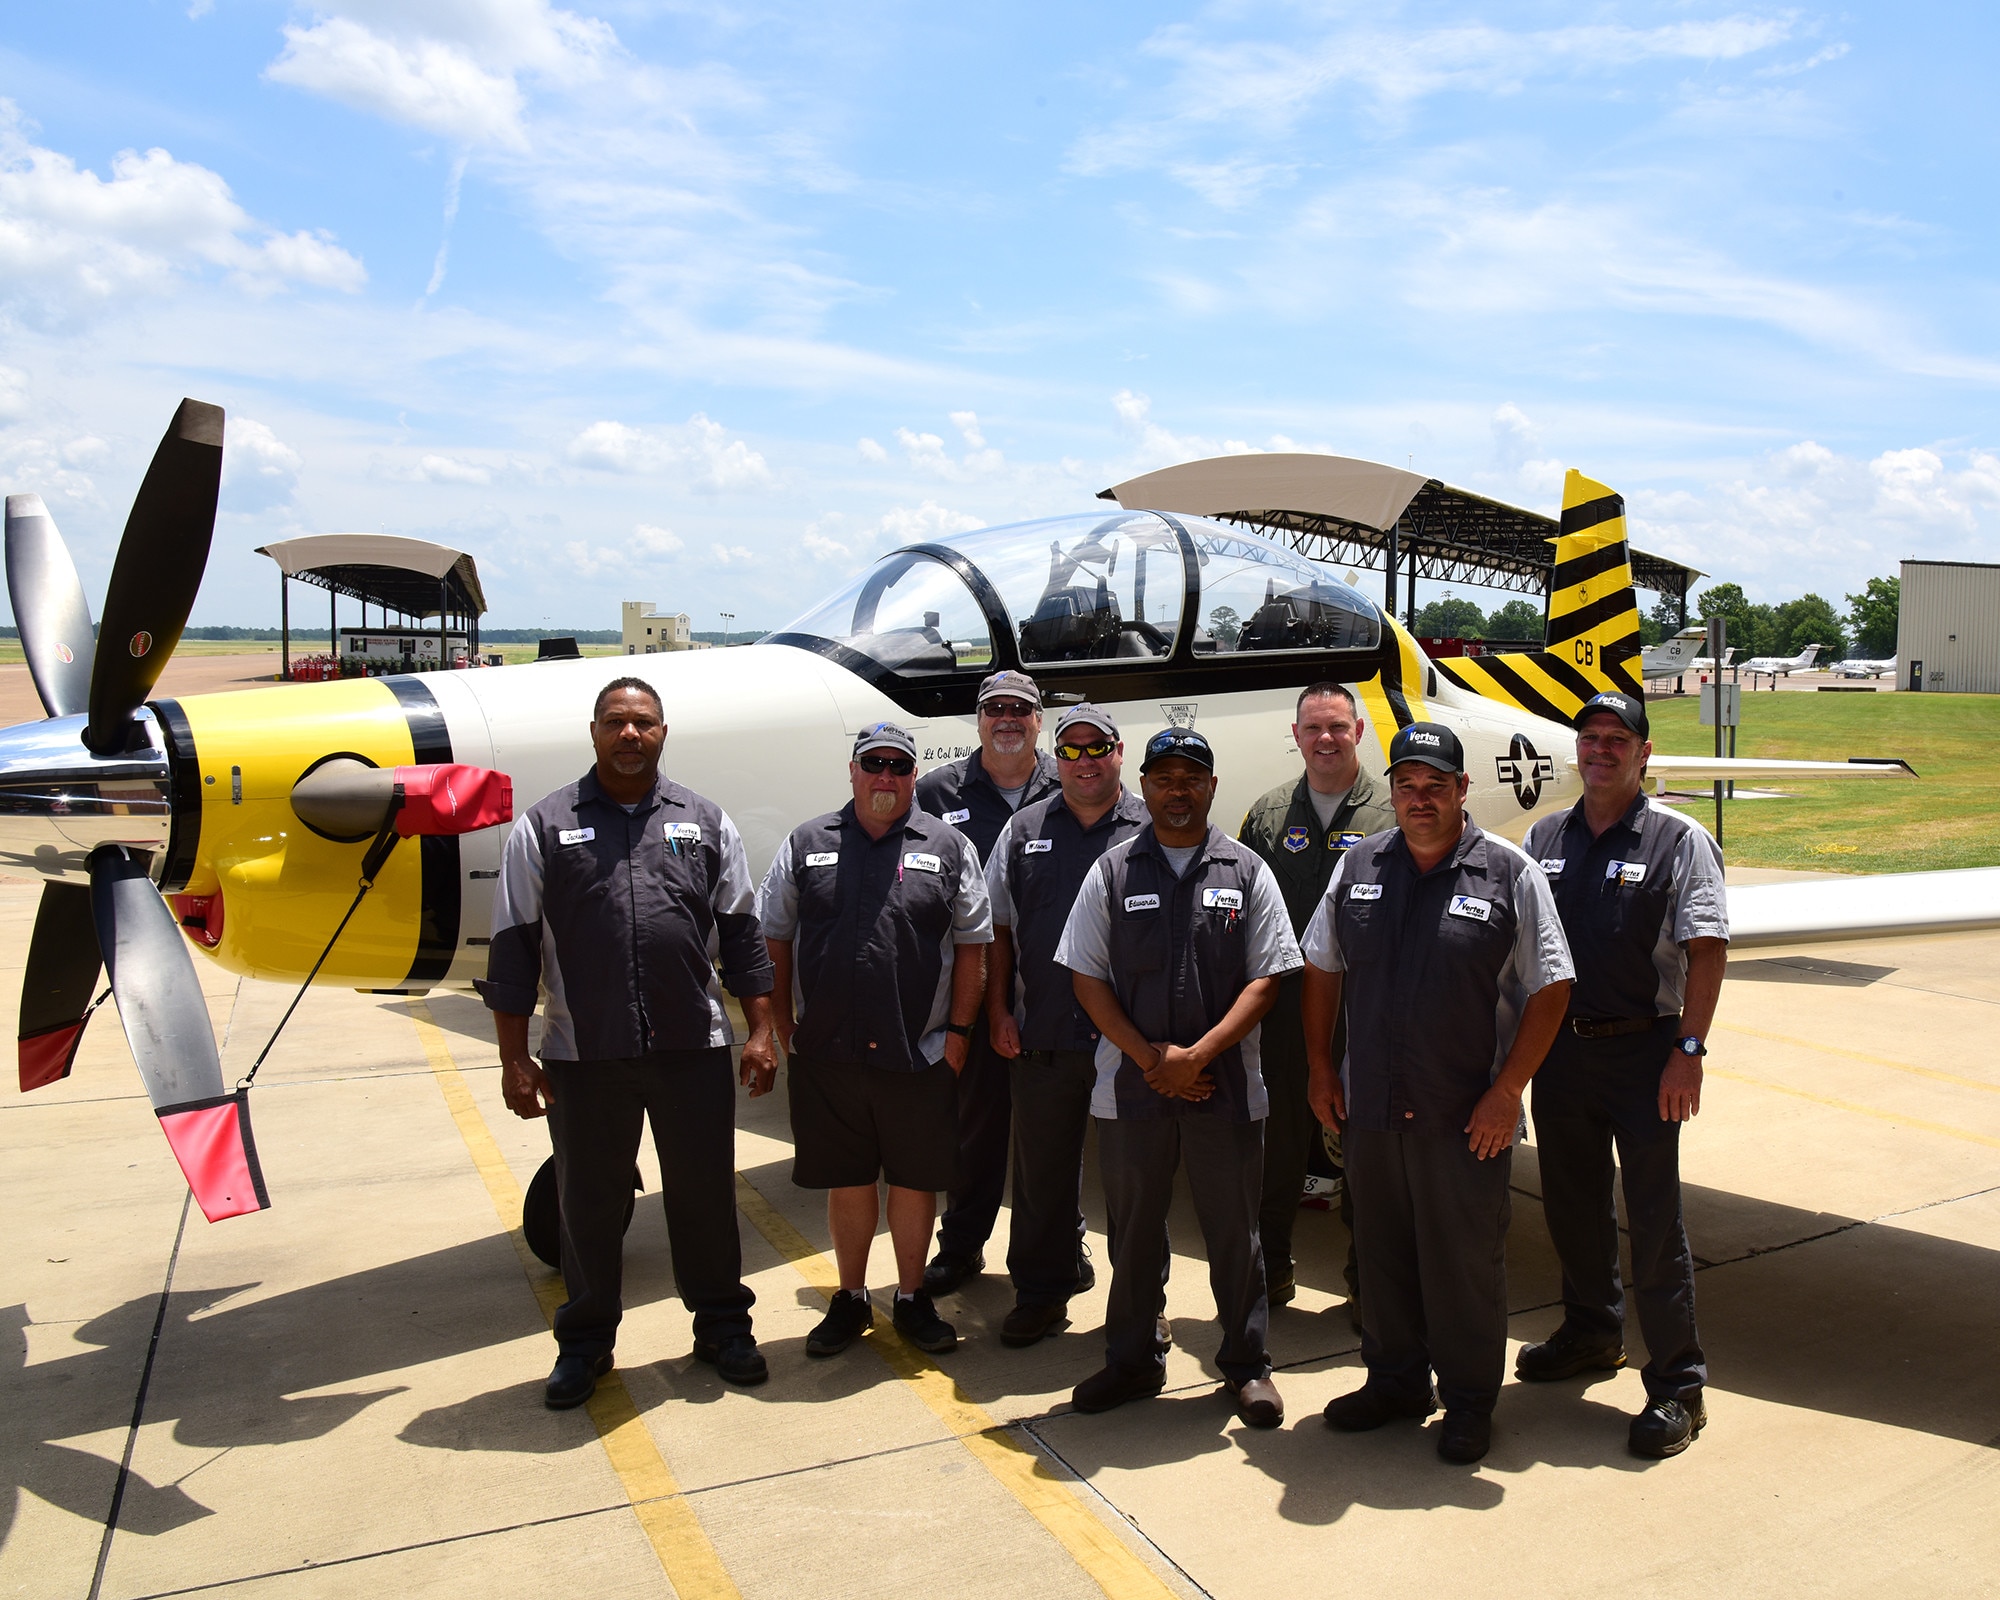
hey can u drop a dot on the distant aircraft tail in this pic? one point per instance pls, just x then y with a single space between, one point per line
1593 632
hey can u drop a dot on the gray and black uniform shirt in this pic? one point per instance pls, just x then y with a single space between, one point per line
962 793
616 920
1439 965
1178 950
1630 900
1036 868
874 924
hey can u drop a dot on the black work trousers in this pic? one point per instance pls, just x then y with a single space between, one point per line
1430 1220
1051 1112
1224 1162
985 1110
594 1123
1592 1095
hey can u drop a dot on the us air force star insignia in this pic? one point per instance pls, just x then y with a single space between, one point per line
1524 770
1180 716
1296 839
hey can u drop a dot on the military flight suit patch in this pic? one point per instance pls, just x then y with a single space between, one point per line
1344 841
1296 839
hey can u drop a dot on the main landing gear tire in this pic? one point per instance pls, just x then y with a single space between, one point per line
541 1213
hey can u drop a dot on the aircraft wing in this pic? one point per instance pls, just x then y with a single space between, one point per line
1864 907
1723 769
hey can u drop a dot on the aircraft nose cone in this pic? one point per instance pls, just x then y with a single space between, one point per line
59 800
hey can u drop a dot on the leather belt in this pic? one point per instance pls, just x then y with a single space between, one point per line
1613 1027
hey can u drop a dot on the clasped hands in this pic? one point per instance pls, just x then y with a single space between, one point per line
1178 1072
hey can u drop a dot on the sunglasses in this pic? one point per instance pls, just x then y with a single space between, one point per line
1096 750
1007 708
902 766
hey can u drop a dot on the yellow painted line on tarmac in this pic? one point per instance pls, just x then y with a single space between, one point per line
1895 1118
1094 1548
686 1556
1862 1055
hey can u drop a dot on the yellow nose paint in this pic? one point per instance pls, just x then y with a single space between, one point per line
284 888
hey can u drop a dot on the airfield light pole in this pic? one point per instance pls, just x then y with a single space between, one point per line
727 618
1718 634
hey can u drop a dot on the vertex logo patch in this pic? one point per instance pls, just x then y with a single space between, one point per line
1464 905
690 831
1626 871
1422 738
1552 865
1142 902
1222 899
916 861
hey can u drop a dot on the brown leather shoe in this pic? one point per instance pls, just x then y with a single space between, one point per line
1258 1402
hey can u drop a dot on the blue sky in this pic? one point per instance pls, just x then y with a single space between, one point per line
710 304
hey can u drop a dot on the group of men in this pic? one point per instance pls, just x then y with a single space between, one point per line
969 969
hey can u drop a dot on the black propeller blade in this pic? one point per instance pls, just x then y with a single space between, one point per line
63 967
158 572
49 607
166 1023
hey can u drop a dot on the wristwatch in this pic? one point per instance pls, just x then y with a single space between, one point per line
963 1030
1691 1046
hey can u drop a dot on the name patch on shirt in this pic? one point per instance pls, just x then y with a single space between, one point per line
1143 902
916 861
1296 839
1222 899
684 830
576 835
1344 841
1552 865
959 816
1364 891
1036 847
1626 871
822 858
1464 905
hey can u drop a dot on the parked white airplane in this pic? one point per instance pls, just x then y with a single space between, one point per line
1784 666
256 813
1861 667
1670 658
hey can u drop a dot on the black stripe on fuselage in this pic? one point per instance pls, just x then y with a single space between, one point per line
1591 564
1525 694
184 781
437 924
1570 677
1576 519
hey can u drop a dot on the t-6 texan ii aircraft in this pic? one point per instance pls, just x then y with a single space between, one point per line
241 825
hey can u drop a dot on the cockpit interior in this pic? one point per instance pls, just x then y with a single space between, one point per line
1129 593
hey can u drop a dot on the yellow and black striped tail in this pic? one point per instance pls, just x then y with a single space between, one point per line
1593 635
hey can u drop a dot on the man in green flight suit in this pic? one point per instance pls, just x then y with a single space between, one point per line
1302 829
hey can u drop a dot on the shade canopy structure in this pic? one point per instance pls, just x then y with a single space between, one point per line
1341 510
412 579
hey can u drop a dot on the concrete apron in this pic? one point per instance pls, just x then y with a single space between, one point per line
346 1391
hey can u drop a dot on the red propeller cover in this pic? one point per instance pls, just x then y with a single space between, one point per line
450 798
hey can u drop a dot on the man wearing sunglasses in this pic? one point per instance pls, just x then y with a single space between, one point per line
1303 829
1177 941
978 795
1034 1018
874 914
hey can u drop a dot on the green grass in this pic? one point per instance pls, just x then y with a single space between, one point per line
1944 819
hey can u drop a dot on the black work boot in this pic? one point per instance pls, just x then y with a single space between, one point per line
1566 1352
1667 1427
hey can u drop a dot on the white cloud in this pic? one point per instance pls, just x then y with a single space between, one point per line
69 236
967 423
718 461
921 524
926 451
448 469
649 540
451 69
732 555
871 451
259 470
13 394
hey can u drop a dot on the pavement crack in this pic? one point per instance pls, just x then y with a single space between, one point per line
1114 1513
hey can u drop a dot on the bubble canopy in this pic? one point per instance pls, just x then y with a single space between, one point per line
1078 600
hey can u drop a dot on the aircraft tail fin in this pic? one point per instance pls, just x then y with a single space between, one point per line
1593 629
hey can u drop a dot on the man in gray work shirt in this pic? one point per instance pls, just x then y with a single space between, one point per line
1640 890
1444 942
617 896
1177 941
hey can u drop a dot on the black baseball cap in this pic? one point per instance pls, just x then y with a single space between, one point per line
1622 706
1183 742
1432 743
